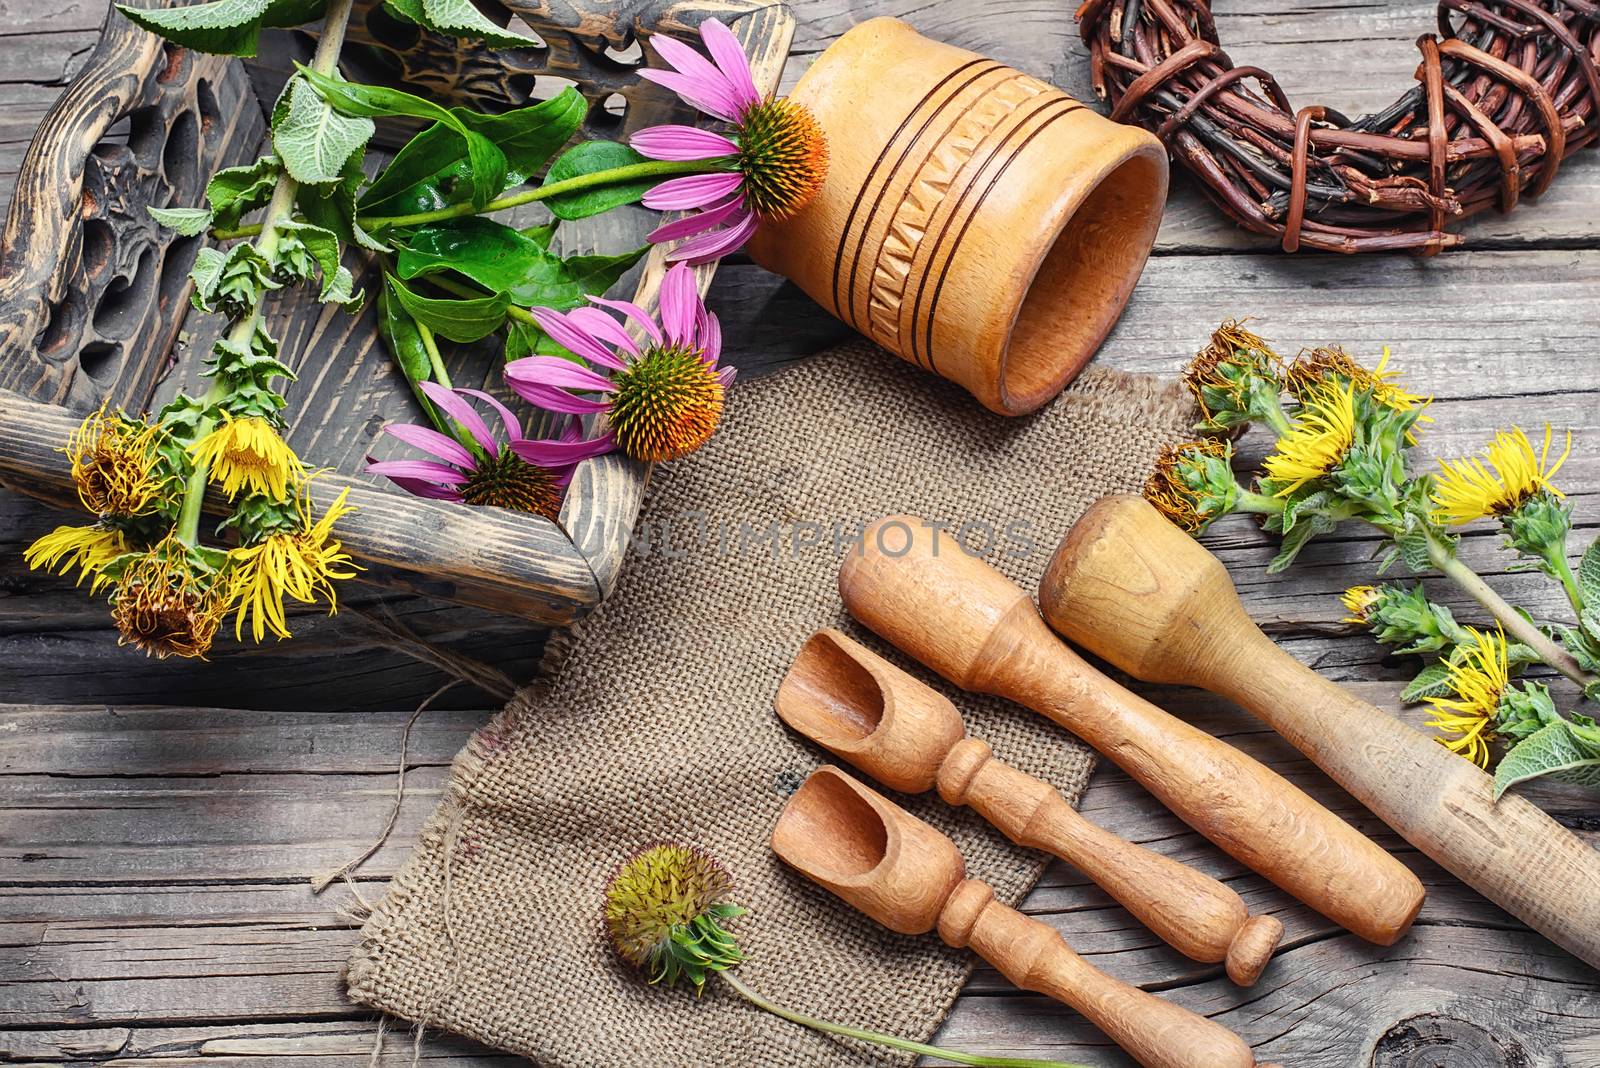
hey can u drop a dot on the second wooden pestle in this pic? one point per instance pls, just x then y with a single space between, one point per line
913 584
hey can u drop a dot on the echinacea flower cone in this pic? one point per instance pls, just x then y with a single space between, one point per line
973 220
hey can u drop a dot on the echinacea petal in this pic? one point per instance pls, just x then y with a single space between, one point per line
697 223
463 413
692 191
427 469
564 332
557 372
555 454
717 102
601 326
716 244
730 59
432 442
513 425
632 311
727 375
674 142
699 82
557 400
711 340
680 303
421 488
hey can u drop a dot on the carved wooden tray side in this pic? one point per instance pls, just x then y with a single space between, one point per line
94 296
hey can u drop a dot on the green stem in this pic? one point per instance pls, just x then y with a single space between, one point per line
1449 565
1257 503
461 289
1556 558
431 345
886 1040
630 173
279 208
1277 418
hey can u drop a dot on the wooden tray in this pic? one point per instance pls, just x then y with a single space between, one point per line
94 296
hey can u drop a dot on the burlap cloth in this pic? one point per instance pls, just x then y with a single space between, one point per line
660 727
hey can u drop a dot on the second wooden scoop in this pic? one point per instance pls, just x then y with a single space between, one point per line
910 878
857 705
915 586
1134 589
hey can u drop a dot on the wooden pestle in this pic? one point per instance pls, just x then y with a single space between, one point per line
915 586
1137 591
910 878
909 737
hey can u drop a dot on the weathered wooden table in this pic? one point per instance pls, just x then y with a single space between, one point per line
158 821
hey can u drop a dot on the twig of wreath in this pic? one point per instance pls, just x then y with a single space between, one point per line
1501 100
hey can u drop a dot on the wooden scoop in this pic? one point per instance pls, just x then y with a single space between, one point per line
1139 592
916 587
862 708
910 878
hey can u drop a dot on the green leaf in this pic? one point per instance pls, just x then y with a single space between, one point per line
1589 573
373 101
1562 750
338 286
1431 681
458 320
424 173
333 207
542 234
459 19
399 330
234 191
504 260
185 222
525 339
223 27
313 140
588 157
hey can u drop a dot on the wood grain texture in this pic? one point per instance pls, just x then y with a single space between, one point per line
1509 339
909 877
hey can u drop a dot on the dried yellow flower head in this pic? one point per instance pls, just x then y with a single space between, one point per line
164 607
114 464
662 911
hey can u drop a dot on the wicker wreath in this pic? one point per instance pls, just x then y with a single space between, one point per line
1502 99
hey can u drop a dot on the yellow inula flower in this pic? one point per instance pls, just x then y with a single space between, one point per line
86 548
302 564
248 454
1479 679
164 608
1312 368
113 464
1357 600
1323 431
1465 490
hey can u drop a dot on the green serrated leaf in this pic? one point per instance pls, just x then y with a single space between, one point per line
234 191
588 157
488 163
205 274
323 245
1589 573
223 27
1562 750
333 207
185 222
1431 681
313 140
459 19
458 320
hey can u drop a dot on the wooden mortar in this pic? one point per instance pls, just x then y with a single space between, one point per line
910 878
1134 589
977 628
862 708
974 221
